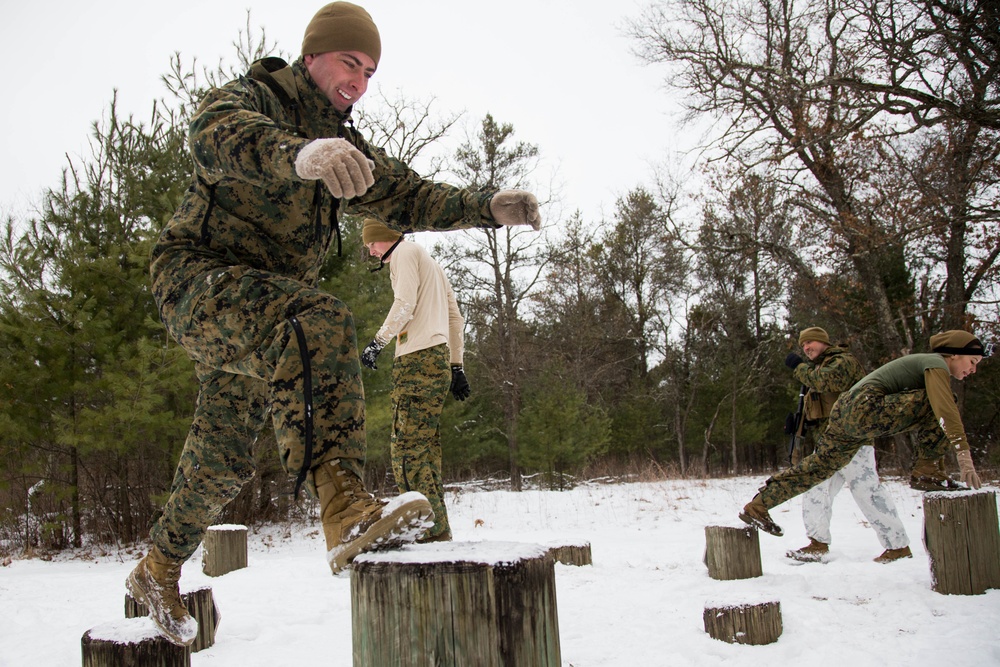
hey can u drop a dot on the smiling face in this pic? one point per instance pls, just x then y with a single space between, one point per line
342 75
814 348
961 366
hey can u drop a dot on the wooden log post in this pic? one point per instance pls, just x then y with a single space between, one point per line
132 642
200 604
732 552
571 554
746 623
962 538
225 550
488 604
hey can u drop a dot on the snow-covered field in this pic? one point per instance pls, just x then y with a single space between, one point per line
639 604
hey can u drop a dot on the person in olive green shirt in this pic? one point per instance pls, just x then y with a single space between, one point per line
912 393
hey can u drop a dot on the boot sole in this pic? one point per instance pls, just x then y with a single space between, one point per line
931 485
770 528
401 526
138 592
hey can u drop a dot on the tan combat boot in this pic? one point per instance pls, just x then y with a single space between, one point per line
154 583
755 514
354 521
890 555
929 475
814 552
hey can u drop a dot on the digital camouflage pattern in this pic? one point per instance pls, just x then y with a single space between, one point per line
834 371
420 382
234 275
861 414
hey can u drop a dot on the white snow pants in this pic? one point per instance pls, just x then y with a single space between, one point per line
872 498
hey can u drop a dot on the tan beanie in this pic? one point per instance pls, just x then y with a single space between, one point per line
956 341
342 26
814 333
375 230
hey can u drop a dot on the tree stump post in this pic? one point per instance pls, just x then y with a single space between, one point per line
962 538
732 552
133 642
225 550
488 604
748 623
571 554
200 604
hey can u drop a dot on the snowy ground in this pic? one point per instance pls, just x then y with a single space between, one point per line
639 604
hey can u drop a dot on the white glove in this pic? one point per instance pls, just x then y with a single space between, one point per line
969 476
344 169
515 207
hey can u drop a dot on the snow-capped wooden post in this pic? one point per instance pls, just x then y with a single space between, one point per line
962 538
571 554
732 552
200 604
459 603
225 550
746 623
132 642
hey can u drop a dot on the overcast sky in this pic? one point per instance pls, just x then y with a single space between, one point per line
561 72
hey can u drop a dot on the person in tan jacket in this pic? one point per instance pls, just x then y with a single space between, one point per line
428 329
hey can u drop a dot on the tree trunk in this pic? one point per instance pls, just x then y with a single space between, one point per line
732 553
476 604
744 623
963 541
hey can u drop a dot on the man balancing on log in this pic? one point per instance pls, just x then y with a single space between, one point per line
912 393
277 161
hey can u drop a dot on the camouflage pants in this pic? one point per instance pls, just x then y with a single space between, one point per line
861 478
420 382
858 416
262 343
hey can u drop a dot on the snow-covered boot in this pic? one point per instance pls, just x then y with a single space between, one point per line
755 514
154 583
890 555
929 475
354 521
814 552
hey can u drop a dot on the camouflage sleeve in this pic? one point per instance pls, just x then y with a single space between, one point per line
410 202
237 133
938 385
838 374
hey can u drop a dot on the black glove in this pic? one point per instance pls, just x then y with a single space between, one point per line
370 354
793 360
459 384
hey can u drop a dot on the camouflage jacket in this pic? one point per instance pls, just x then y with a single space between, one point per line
834 371
246 205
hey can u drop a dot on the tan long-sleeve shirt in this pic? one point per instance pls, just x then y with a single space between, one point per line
424 311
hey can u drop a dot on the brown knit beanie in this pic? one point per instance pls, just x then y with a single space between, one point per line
956 341
375 230
342 26
814 333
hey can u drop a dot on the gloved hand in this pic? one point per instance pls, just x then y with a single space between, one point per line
459 383
793 360
515 207
969 475
344 169
371 352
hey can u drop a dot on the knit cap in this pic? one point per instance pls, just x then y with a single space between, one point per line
956 341
376 230
342 26
814 333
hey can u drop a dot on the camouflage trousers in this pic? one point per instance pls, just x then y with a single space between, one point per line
858 416
262 343
420 382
